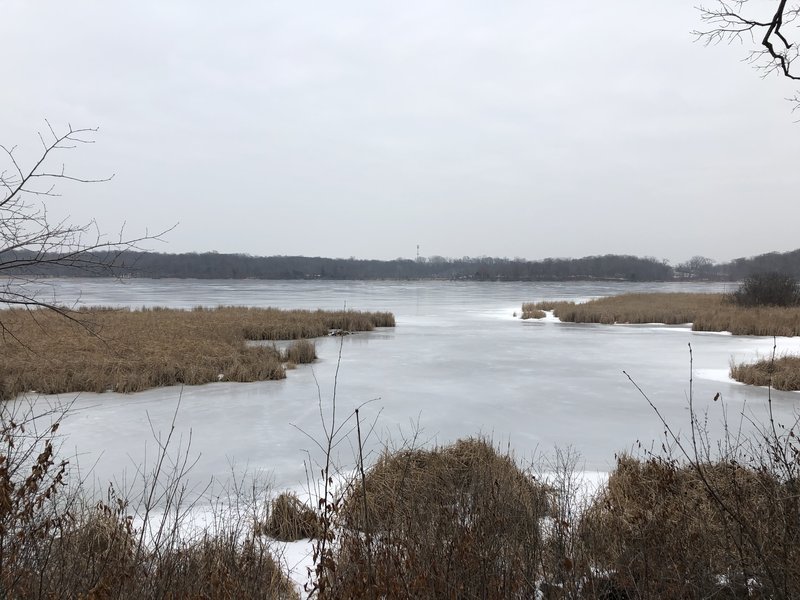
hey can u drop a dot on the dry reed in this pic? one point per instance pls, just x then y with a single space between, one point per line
461 519
706 312
782 373
55 543
290 519
664 530
131 350
531 311
301 352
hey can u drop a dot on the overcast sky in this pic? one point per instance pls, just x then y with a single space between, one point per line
363 128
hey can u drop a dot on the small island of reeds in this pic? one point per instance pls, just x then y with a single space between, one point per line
740 313
103 349
706 312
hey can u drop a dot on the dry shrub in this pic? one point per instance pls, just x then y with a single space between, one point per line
94 555
457 521
663 530
53 544
706 312
782 373
531 311
132 350
290 519
220 567
767 289
301 352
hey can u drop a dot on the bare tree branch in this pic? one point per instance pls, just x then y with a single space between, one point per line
762 23
31 243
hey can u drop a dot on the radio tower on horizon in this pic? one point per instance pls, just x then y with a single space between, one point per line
417 252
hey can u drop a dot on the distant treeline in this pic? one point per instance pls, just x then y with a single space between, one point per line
211 265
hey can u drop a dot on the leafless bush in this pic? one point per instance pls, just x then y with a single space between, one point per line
57 543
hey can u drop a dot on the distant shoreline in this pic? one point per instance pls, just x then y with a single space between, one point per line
211 265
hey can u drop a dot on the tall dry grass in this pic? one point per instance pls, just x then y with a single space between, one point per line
781 373
301 352
124 350
659 531
56 543
290 519
455 521
531 310
706 312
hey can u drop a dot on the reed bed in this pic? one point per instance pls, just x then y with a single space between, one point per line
706 312
102 349
782 373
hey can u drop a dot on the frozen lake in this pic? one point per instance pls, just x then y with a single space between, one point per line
457 364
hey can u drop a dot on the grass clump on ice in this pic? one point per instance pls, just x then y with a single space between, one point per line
781 373
121 350
301 352
706 312
531 311
290 519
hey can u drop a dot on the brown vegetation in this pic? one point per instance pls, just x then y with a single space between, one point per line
706 312
532 311
54 543
463 521
301 352
781 373
662 530
457 521
290 519
131 350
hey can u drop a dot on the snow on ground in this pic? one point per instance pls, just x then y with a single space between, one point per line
720 375
296 559
549 317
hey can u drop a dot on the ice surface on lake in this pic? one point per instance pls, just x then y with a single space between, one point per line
457 364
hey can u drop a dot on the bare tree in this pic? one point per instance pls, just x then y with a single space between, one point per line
31 243
768 24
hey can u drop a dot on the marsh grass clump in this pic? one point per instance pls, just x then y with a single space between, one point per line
671 309
219 566
121 350
781 373
531 311
433 522
290 519
706 312
301 352
663 529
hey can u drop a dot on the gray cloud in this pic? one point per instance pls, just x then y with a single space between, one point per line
364 128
